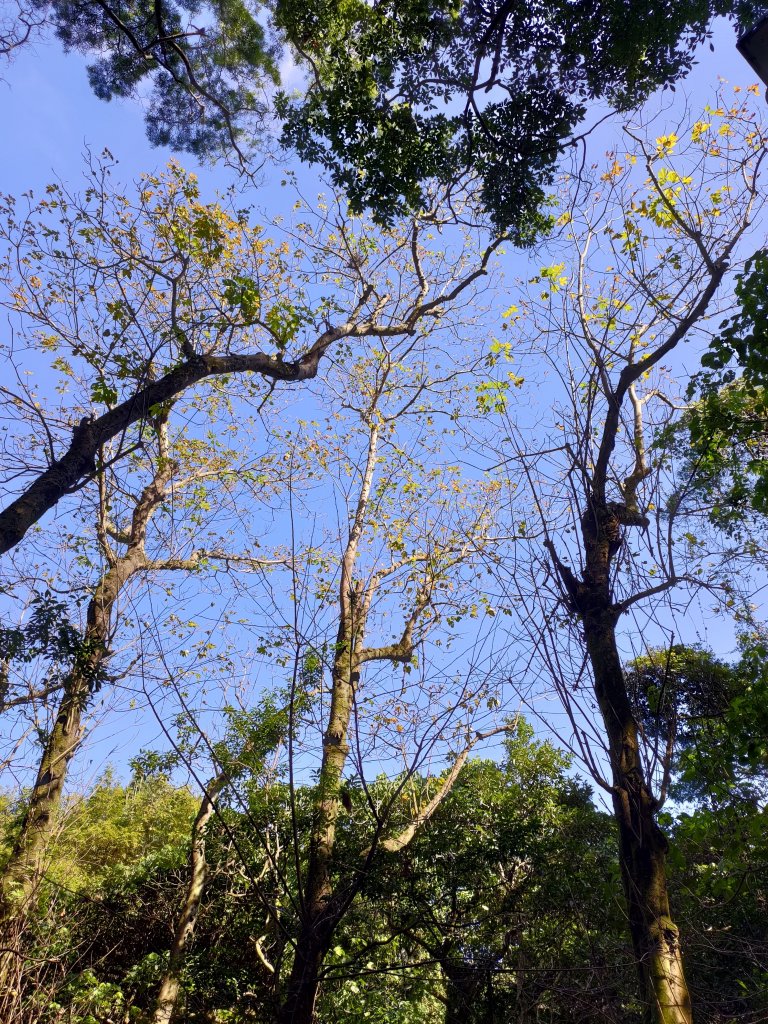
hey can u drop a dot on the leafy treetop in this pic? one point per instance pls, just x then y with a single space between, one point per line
409 91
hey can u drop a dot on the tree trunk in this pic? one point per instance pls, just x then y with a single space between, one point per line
642 844
319 915
168 996
320 911
24 867
301 992
464 985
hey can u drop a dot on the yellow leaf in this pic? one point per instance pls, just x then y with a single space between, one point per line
666 143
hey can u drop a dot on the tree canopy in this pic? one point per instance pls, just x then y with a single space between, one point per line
381 635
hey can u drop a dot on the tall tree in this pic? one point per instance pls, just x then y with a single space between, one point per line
126 554
649 261
398 93
401 93
410 547
202 69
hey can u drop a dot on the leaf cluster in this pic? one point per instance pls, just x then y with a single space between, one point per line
204 62
410 91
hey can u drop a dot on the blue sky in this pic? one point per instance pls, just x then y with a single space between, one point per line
51 117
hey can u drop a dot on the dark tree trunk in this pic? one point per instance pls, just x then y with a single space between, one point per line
642 844
464 986
301 993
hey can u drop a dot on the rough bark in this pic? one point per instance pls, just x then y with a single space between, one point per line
642 844
168 996
321 911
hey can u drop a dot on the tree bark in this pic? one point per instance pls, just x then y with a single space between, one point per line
642 844
168 996
320 910
24 867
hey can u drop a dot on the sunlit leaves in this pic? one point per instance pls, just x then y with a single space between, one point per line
242 292
399 102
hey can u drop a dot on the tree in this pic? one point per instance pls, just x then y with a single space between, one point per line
207 64
399 93
265 731
142 526
127 552
19 26
401 556
412 543
716 713
649 261
501 891
713 713
497 88
521 839
723 436
144 298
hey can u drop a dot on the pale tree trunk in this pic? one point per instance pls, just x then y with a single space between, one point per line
168 996
24 868
323 901
321 907
320 913
328 906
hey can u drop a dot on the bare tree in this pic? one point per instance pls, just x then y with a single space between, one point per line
642 272
139 533
143 298
20 23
